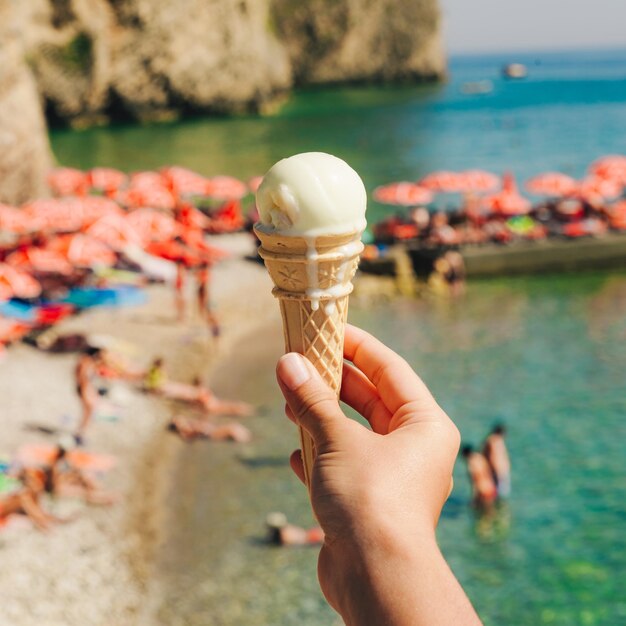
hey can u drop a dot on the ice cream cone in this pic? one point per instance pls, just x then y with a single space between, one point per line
312 278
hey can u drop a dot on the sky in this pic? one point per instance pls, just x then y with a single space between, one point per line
510 25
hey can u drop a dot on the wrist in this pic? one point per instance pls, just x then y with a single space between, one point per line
377 572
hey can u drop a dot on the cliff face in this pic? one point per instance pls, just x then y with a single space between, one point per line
152 58
93 60
24 150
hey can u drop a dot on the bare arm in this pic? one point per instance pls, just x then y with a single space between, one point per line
378 493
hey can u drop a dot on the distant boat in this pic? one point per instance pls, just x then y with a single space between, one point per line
515 71
477 87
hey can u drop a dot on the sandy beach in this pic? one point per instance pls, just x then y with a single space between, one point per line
96 569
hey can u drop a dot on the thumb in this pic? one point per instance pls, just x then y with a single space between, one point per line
313 403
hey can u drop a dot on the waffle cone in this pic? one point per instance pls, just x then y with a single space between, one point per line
313 281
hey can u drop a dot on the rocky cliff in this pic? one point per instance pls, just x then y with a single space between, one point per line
147 58
24 150
96 60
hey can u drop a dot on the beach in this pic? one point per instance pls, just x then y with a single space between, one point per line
96 568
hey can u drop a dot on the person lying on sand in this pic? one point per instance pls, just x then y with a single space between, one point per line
156 381
65 481
86 389
281 533
190 428
26 501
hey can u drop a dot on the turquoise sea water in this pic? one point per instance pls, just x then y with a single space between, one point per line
546 354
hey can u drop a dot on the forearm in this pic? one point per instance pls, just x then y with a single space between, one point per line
403 584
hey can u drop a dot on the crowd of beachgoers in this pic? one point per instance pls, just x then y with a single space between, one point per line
493 209
99 241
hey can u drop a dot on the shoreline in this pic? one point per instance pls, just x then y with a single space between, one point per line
98 569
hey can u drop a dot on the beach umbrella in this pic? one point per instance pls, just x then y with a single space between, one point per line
617 215
146 180
552 184
254 183
403 194
17 221
225 188
191 217
194 240
595 188
34 259
175 251
15 283
115 231
476 181
67 181
184 182
508 201
153 225
92 208
157 197
58 214
611 167
106 179
441 181
83 251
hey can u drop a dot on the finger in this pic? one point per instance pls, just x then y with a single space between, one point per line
396 382
359 393
289 414
312 402
295 460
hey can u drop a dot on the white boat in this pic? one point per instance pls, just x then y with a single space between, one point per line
515 71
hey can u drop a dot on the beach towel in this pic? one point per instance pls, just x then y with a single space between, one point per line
88 297
43 454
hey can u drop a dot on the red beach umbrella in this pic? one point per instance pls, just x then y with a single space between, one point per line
83 251
106 179
598 189
116 232
190 217
95 207
194 240
617 215
508 200
254 183
184 182
58 214
476 181
174 251
225 188
158 197
403 194
43 260
17 221
611 167
441 181
146 180
16 283
153 225
552 184
67 181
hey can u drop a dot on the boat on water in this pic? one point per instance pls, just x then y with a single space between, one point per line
475 88
515 71
520 257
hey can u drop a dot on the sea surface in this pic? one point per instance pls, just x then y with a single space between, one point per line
546 354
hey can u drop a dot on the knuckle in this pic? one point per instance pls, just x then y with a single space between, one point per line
315 401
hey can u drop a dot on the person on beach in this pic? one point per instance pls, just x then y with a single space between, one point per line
497 456
189 429
179 290
65 481
86 369
156 381
27 501
484 491
281 533
377 494
203 277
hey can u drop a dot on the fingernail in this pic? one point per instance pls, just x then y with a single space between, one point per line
292 370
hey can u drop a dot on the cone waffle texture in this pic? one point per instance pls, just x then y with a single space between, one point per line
313 326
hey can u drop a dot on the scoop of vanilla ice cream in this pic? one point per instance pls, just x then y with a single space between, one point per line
312 194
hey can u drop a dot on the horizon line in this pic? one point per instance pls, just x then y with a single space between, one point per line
538 50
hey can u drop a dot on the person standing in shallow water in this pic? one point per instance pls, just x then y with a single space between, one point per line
498 457
484 490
